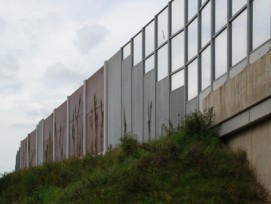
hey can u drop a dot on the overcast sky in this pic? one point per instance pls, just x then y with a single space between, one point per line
47 49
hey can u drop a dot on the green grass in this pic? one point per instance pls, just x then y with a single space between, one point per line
188 165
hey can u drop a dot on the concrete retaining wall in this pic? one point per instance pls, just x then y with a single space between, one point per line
256 140
242 108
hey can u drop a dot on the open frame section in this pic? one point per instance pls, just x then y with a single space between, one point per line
219 35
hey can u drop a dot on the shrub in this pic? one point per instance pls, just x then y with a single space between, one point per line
200 124
129 145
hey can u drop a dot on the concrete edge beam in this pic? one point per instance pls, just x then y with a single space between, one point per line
246 118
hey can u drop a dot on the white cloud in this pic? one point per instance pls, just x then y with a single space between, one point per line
90 37
3 24
60 75
47 49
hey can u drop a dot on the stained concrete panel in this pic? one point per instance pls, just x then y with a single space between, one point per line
114 100
261 151
177 106
40 134
24 153
61 117
60 143
95 114
192 105
76 104
95 123
76 137
256 141
126 79
76 123
17 165
149 106
32 149
162 106
60 131
95 91
48 139
137 101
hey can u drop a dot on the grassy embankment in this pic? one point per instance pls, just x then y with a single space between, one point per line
188 165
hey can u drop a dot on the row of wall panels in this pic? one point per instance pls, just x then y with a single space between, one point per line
48 142
137 104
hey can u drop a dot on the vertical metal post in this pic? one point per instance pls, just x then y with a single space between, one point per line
105 108
212 42
169 41
199 48
198 53
229 38
132 58
155 68
27 153
37 147
54 134
21 159
68 127
250 27
132 61
42 136
185 53
84 117
143 71
143 64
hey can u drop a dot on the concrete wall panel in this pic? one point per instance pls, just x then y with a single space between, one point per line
256 141
114 100
95 119
95 125
40 133
32 149
24 153
137 101
18 157
61 116
48 139
177 105
60 144
76 104
126 79
192 105
149 106
76 123
162 106
95 90
76 137
60 132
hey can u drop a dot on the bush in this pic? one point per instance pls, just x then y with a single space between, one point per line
129 145
200 124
